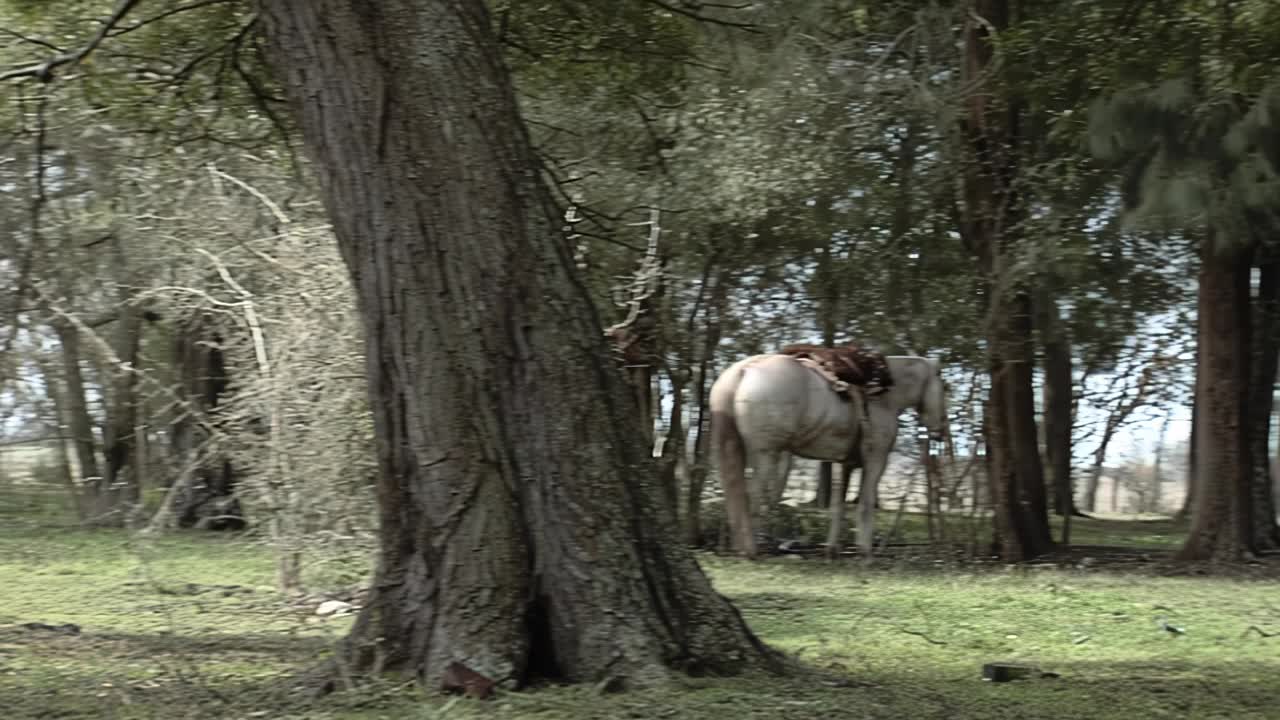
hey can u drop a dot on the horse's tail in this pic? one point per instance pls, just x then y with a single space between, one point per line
731 455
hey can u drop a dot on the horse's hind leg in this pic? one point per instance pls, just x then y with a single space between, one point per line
835 536
782 470
872 470
769 480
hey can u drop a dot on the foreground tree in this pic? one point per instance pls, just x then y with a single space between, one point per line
523 533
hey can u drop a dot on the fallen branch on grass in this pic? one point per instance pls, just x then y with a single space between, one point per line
917 633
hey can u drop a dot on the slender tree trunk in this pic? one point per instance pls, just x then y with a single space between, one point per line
1189 497
523 532
696 476
120 490
1262 382
699 468
79 421
903 294
1157 470
828 306
1057 393
933 494
1125 406
1095 476
673 445
55 390
1222 521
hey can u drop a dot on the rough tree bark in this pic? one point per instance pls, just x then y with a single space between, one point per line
1262 382
989 225
523 532
1222 521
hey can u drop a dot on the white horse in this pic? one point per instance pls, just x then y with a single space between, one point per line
767 408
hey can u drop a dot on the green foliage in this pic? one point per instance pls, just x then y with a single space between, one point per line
171 73
1195 135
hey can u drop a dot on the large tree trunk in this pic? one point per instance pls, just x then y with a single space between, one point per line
1222 521
1057 394
523 532
1262 383
992 209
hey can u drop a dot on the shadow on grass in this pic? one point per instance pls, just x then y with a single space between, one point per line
236 676
151 675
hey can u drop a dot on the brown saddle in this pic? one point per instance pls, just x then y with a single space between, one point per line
847 365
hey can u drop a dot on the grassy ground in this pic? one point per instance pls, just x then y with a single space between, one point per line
189 626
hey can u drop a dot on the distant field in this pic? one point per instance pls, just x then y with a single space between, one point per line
189 626
18 463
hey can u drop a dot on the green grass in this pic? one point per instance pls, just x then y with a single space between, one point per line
188 625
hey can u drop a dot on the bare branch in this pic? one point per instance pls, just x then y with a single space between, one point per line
44 71
167 13
647 278
919 634
38 200
31 40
